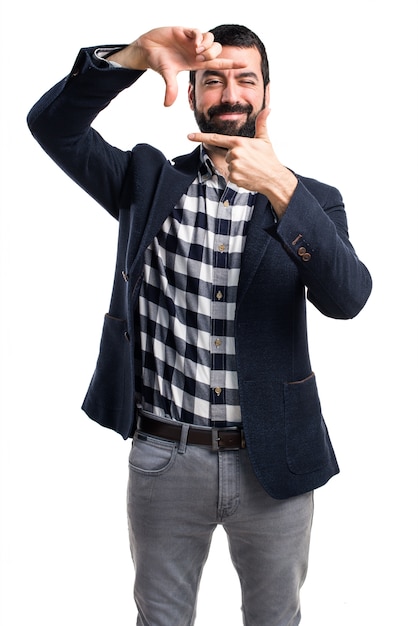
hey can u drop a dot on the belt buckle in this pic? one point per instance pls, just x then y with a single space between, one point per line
216 439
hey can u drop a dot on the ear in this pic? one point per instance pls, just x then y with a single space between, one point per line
190 96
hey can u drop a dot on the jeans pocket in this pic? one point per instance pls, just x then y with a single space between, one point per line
151 456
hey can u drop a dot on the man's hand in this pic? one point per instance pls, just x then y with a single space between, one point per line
170 50
253 164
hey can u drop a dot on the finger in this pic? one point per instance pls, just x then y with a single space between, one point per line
213 139
196 34
206 54
217 64
171 88
208 48
261 125
205 42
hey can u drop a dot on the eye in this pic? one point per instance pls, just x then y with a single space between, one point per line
213 81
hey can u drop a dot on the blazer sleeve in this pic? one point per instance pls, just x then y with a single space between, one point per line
61 122
314 233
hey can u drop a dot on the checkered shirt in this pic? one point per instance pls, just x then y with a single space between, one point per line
187 304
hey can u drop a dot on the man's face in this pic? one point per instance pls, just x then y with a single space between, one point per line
228 101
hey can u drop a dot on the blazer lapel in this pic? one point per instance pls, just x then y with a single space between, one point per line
256 244
173 182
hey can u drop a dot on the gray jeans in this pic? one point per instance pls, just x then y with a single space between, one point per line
176 498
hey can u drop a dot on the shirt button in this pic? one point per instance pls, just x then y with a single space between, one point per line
218 342
219 295
218 391
221 247
226 203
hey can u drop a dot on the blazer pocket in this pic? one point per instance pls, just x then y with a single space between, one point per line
307 442
109 380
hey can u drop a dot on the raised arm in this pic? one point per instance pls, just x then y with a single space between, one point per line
61 120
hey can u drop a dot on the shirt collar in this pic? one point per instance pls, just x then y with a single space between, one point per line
207 168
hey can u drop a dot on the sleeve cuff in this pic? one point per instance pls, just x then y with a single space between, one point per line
103 53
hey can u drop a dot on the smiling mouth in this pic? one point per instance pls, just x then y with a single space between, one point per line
231 120
229 116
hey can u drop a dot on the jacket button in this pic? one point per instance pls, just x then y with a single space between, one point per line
305 256
125 276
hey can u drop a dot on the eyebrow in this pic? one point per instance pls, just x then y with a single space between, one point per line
207 73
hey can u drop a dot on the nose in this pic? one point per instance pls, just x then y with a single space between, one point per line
230 93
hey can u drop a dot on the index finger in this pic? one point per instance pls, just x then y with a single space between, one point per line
214 139
203 62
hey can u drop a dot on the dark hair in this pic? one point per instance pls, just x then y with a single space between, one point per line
240 37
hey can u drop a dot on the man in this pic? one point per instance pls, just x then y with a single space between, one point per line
204 358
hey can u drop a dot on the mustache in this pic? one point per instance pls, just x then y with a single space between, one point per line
230 108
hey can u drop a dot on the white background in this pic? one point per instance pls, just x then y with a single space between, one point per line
344 110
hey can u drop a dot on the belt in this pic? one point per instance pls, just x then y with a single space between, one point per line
229 438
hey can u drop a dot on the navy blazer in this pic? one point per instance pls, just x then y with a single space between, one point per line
306 253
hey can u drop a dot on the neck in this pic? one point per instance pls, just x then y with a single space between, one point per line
218 155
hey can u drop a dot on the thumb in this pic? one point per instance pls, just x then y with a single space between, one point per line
171 87
261 124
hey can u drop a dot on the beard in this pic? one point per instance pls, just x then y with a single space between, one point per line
211 124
